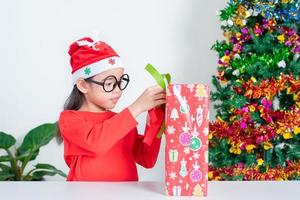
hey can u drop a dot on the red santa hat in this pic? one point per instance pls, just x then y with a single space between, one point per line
89 57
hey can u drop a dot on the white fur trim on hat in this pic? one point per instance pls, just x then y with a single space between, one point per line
97 67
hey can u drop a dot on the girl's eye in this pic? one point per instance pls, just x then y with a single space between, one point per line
108 84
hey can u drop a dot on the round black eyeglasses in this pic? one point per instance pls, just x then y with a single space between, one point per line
111 82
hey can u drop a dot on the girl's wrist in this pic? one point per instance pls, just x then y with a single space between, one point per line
135 110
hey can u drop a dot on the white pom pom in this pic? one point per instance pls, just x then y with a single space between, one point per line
250 11
255 13
230 22
237 56
84 43
296 57
282 64
236 72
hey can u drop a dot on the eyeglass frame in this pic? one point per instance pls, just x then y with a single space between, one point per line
115 85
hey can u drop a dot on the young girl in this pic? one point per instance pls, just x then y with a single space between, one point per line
99 144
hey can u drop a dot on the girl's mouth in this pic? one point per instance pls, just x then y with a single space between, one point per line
115 99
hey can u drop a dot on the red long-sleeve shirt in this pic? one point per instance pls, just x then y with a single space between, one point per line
106 146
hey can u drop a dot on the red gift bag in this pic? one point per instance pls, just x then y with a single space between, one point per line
186 131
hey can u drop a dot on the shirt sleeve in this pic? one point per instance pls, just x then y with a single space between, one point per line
146 147
96 138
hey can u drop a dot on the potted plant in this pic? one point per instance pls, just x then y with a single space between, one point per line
13 164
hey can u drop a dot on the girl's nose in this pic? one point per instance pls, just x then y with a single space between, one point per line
117 90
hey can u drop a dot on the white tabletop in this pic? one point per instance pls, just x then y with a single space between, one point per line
144 190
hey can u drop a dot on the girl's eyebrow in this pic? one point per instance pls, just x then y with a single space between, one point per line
114 76
106 77
111 77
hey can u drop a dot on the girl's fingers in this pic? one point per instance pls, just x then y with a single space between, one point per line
159 102
156 89
160 92
160 96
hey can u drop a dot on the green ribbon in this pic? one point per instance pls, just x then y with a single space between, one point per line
161 81
160 78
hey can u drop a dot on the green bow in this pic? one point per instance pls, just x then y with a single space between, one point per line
161 81
160 78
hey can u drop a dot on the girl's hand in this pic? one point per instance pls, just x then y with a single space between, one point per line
151 97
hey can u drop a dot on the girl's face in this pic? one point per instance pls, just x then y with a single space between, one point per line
96 96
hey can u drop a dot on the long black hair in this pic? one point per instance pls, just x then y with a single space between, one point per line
73 102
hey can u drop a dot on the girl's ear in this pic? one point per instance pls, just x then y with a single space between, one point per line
82 85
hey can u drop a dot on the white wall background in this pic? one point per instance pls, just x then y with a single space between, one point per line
173 35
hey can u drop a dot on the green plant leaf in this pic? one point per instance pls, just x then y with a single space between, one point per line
39 175
6 140
22 155
38 137
28 178
5 168
5 176
51 168
5 158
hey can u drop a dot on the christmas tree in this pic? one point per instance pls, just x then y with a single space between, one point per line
257 98
197 191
